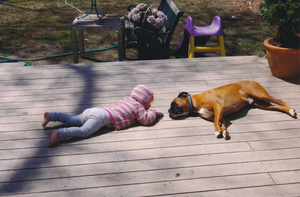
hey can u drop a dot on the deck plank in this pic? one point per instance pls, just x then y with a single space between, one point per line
169 158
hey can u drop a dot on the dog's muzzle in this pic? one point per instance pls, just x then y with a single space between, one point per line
175 111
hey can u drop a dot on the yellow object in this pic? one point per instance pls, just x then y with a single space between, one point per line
192 48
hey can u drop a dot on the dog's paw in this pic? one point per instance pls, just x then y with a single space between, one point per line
219 134
293 113
226 135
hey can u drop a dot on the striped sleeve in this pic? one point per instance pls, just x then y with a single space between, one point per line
146 117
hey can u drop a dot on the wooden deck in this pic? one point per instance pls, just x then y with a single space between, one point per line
171 158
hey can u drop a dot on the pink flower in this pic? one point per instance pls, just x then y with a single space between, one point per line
160 13
154 11
153 16
159 23
141 6
136 17
130 15
134 14
135 10
151 19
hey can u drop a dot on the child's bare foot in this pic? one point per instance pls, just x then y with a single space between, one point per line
46 120
54 137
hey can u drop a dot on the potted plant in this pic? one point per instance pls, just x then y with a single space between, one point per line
283 50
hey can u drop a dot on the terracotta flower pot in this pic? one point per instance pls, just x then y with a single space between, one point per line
283 62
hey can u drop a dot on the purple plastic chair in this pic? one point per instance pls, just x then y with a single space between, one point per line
215 29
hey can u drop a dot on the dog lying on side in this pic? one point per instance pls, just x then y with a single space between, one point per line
213 104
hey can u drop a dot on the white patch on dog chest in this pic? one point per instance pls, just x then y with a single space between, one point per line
205 113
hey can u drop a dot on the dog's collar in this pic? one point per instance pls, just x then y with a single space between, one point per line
190 102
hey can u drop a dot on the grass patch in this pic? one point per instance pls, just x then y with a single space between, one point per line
42 28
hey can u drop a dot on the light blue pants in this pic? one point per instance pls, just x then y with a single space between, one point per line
82 125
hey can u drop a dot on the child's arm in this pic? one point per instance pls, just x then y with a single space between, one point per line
146 117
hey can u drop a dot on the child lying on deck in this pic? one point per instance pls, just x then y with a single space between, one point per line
121 115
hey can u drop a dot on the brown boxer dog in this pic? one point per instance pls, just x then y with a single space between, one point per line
213 104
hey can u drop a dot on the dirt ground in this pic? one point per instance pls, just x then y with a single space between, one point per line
35 29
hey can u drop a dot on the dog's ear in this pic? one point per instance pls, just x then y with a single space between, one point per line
182 94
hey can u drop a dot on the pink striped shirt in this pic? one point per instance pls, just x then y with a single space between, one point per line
127 111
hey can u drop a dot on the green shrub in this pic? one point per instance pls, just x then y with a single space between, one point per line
282 12
286 14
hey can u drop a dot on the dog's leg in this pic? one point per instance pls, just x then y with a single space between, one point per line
217 133
259 93
269 106
218 109
281 106
225 133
